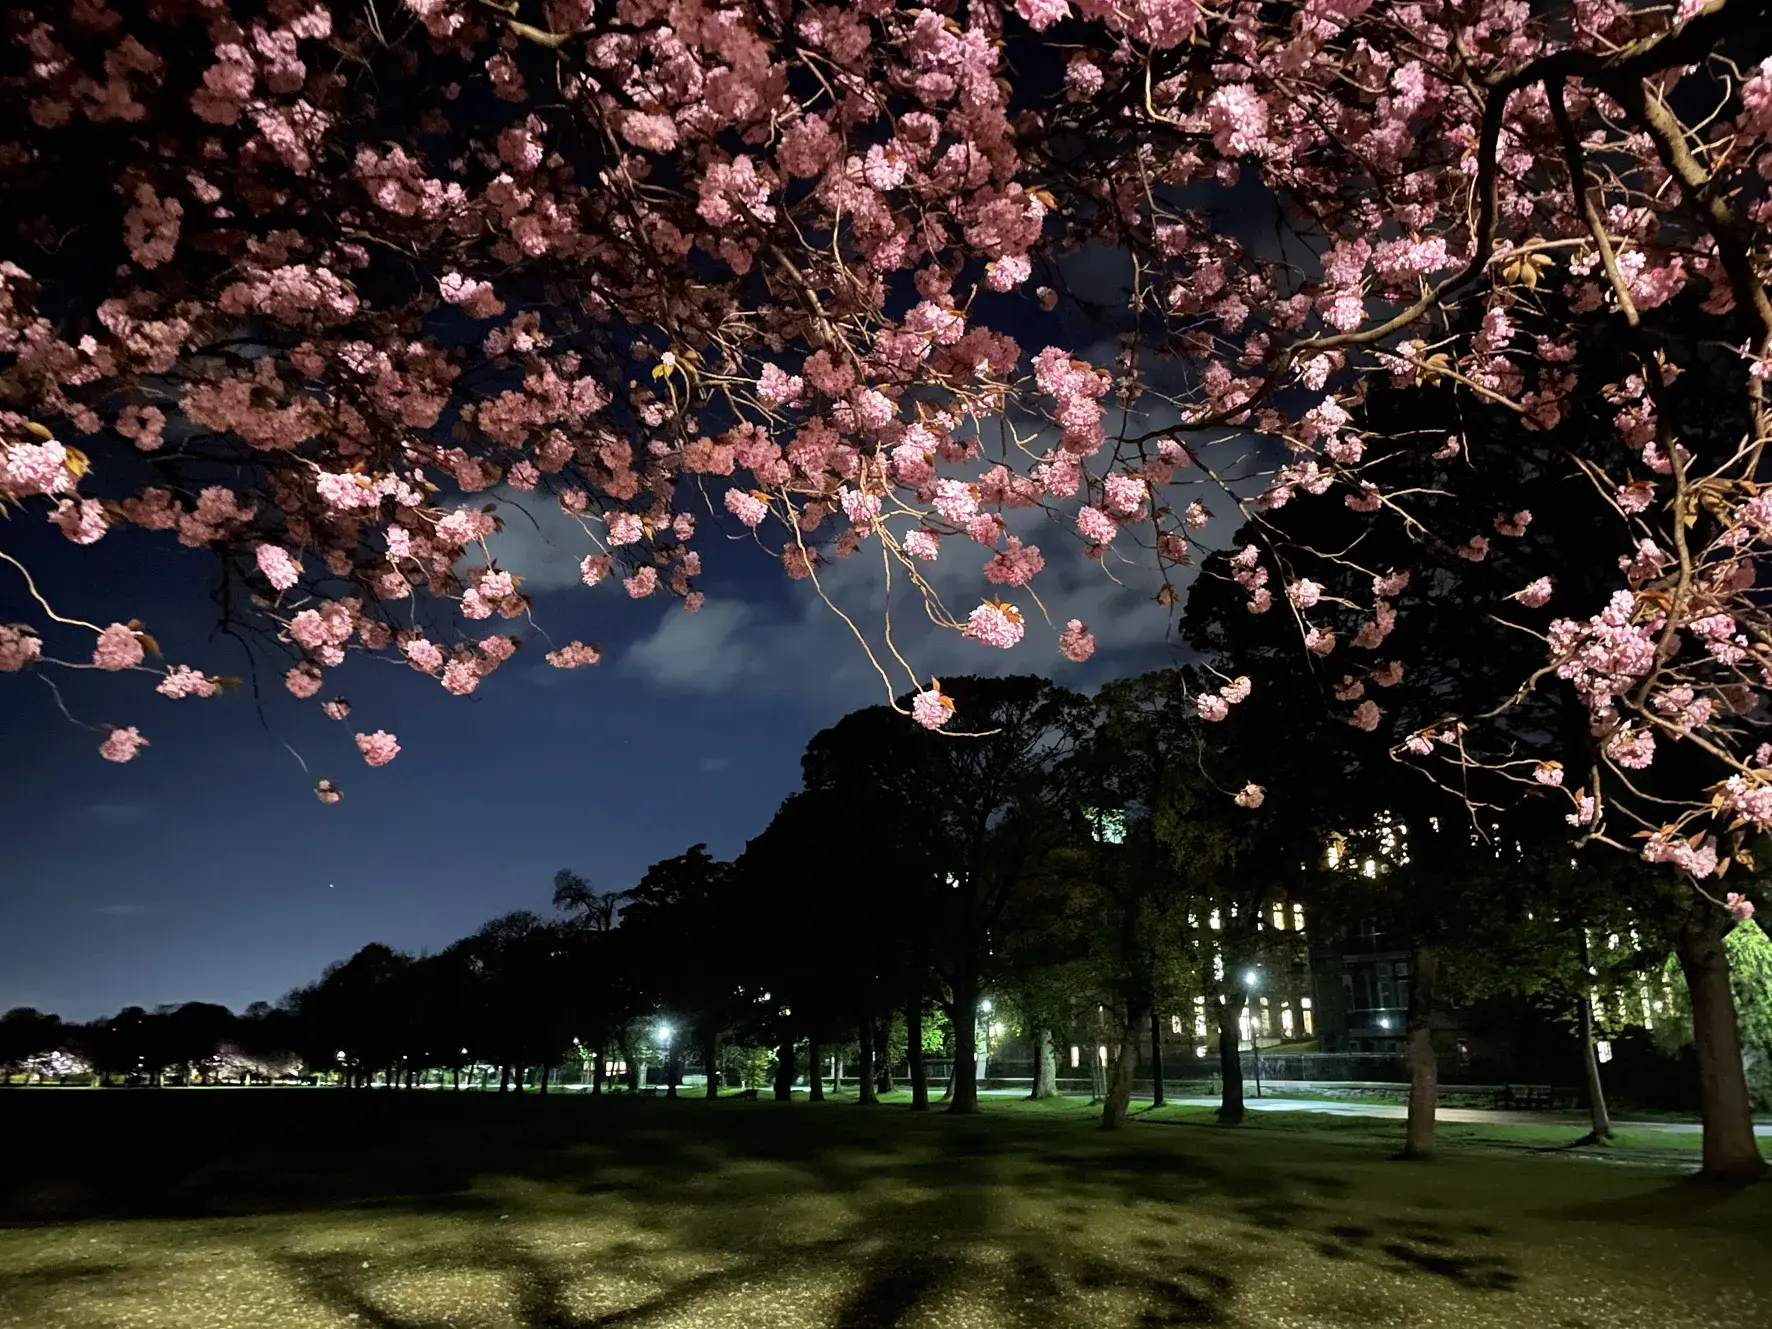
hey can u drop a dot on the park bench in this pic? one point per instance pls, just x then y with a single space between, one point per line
1524 1097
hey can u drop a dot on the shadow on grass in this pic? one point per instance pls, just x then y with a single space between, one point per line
652 1211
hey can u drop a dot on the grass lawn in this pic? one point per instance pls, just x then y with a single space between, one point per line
274 1209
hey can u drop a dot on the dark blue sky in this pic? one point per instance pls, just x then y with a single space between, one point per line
206 869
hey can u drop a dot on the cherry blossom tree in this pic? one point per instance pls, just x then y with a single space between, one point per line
800 273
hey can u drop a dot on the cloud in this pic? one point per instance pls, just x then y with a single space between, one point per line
125 910
540 542
803 648
714 763
115 811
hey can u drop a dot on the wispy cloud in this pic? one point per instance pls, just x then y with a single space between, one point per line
125 910
115 812
714 763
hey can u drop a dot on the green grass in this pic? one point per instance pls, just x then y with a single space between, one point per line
419 1211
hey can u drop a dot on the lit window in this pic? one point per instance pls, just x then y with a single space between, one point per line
1286 1021
1310 1026
1102 1053
1305 1002
1076 1056
1603 1050
1218 968
1199 1051
1298 917
1200 1024
1193 921
1279 916
1214 922
1267 1018
1370 868
1175 1024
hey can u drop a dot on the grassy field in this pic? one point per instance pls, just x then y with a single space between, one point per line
275 1209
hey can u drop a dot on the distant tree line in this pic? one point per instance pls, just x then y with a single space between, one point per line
1060 865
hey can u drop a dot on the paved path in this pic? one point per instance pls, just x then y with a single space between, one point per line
1339 1107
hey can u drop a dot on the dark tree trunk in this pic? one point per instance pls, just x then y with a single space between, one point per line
598 1071
671 1070
1418 1053
634 1071
1045 1067
544 1078
963 1083
520 1077
864 1066
1230 1057
456 1072
1590 1068
814 1072
913 1022
504 1079
784 1072
1125 1062
710 1058
883 1054
1729 1148
1157 1099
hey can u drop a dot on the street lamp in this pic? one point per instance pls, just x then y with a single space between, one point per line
664 1034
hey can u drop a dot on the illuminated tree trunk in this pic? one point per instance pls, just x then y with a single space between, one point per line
963 1085
1045 1067
1730 1151
913 1021
864 1070
883 1053
784 1071
1125 1062
1230 1057
1157 1099
1418 1052
1590 1066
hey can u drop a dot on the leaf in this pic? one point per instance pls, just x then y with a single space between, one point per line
38 431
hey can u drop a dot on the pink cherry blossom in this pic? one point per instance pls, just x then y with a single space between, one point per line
1739 906
931 709
327 792
19 648
1211 706
303 681
922 544
1366 716
995 624
379 748
122 745
573 655
1534 593
183 681
118 648
1251 796
1076 643
1096 526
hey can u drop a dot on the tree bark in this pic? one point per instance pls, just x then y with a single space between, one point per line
784 1072
545 1071
963 1083
913 1021
1045 1067
1590 1066
1418 1052
883 1053
814 1072
710 1056
504 1079
864 1070
1125 1062
1230 1057
597 1072
1157 1099
1730 1152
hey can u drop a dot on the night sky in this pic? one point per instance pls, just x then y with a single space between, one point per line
206 869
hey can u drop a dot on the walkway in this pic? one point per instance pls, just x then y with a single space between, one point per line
1473 1116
